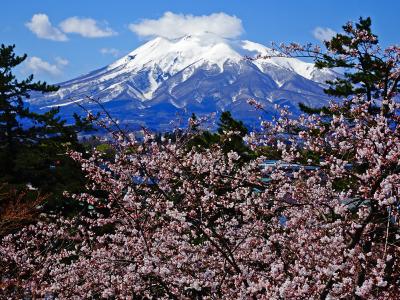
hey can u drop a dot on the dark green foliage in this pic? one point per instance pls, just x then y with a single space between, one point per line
368 71
204 140
12 108
33 146
363 70
310 110
269 152
228 123
229 136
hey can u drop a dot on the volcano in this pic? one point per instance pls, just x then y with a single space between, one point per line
165 79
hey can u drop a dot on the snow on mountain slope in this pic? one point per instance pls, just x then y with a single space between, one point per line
198 74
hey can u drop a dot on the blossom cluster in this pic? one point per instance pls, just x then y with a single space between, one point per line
172 222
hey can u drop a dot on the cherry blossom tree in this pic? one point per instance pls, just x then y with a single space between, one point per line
165 220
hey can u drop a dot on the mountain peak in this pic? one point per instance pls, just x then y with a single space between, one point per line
197 73
174 55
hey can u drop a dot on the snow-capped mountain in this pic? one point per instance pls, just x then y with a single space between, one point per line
164 78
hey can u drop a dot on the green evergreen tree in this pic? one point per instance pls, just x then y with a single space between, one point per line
229 136
12 108
368 70
33 146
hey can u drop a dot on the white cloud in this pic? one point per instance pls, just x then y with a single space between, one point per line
41 26
112 51
38 66
323 34
172 25
61 61
86 27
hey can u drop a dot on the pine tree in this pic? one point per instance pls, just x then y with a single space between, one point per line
12 108
231 133
229 136
33 146
368 70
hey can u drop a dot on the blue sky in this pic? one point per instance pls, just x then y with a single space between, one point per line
65 39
